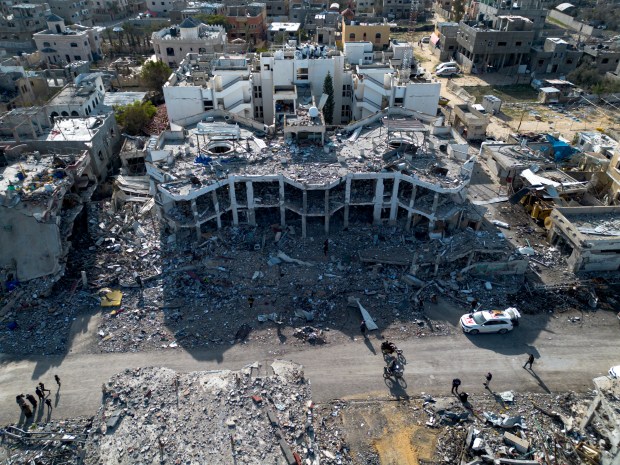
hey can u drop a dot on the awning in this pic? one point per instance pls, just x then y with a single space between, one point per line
434 38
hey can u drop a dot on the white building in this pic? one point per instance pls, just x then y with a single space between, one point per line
283 32
288 75
272 87
200 85
60 44
79 99
359 53
172 44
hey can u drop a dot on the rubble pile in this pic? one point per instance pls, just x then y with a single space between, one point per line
496 428
53 442
159 123
157 414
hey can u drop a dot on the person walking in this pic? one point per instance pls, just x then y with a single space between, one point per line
474 305
251 301
363 328
57 378
455 386
26 410
32 400
326 247
530 361
489 377
43 390
48 402
39 394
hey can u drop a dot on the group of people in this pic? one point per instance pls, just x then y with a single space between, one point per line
38 402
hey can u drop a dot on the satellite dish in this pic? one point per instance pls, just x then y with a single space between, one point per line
313 112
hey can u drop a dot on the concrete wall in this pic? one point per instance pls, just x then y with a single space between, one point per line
34 246
575 25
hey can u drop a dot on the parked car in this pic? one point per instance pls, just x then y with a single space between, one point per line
490 321
447 71
614 372
447 64
426 40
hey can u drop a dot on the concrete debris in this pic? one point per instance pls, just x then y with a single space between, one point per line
221 417
504 421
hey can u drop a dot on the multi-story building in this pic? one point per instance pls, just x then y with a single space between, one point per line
110 10
270 89
446 43
20 88
172 44
555 56
489 10
501 45
78 99
60 44
201 84
196 8
75 11
375 30
277 10
18 26
396 9
602 58
376 87
247 22
164 7
283 32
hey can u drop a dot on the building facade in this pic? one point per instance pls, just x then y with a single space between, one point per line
247 22
60 44
172 44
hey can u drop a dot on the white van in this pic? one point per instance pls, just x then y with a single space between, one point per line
451 64
447 71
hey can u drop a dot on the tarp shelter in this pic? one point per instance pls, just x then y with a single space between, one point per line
561 150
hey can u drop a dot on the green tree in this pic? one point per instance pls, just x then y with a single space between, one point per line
135 116
155 74
328 109
213 20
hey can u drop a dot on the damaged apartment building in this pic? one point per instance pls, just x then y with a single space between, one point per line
49 168
393 169
274 84
41 195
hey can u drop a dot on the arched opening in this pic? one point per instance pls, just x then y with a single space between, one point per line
64 113
352 36
74 113
58 28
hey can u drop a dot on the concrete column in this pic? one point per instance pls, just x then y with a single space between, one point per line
249 188
347 201
378 202
411 204
216 205
304 211
394 202
195 213
326 211
233 201
435 202
282 207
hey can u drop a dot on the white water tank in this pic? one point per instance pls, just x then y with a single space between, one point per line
313 112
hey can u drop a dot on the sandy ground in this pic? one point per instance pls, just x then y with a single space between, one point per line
523 116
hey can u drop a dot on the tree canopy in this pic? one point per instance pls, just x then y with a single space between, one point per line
135 116
155 74
328 109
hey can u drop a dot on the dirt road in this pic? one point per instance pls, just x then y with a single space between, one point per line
568 356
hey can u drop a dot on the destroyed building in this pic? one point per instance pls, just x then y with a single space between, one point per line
40 197
99 135
590 235
393 171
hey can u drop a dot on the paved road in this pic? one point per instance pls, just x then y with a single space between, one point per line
568 357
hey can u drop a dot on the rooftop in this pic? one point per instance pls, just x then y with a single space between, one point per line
213 151
34 177
73 95
73 129
284 27
204 32
594 223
